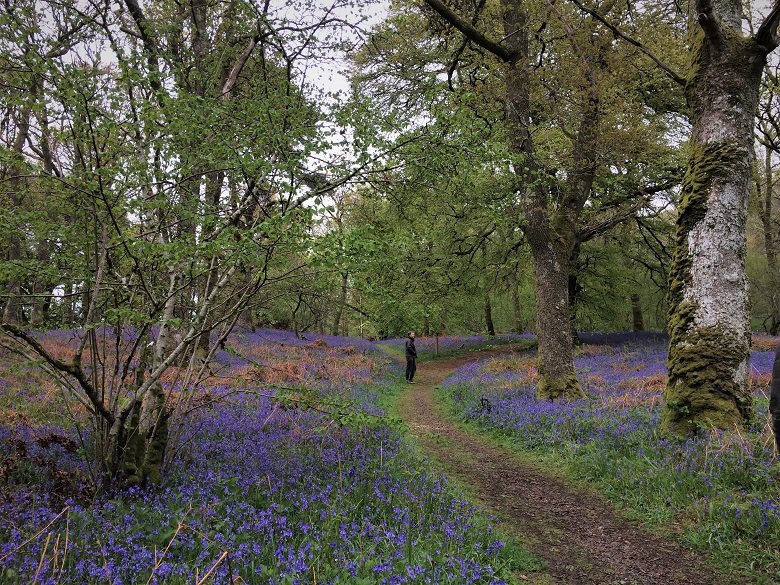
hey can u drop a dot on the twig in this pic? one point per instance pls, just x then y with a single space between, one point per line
673 75
43 556
168 546
36 535
213 568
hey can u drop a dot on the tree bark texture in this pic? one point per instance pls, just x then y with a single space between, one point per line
550 253
336 329
12 313
709 319
557 377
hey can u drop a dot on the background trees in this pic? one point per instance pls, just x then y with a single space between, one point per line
168 169
156 180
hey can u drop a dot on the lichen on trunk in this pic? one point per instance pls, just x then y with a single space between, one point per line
140 455
709 323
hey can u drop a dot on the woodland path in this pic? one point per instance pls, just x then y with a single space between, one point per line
576 533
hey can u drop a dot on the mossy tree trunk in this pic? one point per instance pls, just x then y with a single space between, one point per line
557 377
551 236
709 317
550 219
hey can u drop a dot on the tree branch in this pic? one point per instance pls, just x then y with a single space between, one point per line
709 23
148 42
472 33
230 82
767 33
671 73
61 366
589 232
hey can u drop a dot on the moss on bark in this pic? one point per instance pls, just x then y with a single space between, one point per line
131 451
702 390
702 360
556 387
140 460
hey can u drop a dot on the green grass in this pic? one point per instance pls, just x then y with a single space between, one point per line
654 495
517 562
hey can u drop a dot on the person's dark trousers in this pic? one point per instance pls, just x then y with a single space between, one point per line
411 368
776 429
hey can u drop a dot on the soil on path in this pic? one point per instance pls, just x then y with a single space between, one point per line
576 533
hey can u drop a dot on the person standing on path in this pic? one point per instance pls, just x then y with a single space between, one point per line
411 358
774 398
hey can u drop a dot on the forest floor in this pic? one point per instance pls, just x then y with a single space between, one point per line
579 536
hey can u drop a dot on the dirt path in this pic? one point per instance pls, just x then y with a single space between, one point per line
577 534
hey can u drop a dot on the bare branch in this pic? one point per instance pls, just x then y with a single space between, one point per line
709 23
71 369
230 82
589 232
472 33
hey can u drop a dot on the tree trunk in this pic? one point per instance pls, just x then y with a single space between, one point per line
345 326
574 292
12 313
557 378
491 330
13 307
709 318
442 322
637 319
551 245
765 213
40 287
516 306
336 329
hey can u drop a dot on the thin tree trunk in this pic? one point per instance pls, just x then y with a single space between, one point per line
345 326
765 213
13 306
39 288
637 319
336 329
491 330
68 302
442 322
709 318
516 305
12 313
42 285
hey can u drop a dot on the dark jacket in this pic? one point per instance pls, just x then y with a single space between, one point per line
774 397
411 351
